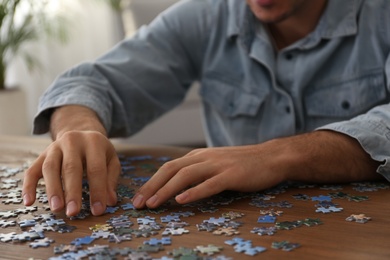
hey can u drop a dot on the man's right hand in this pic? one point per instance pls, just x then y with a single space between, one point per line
80 147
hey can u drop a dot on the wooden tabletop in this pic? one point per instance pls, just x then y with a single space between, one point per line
333 238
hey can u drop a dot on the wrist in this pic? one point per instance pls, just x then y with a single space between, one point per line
74 118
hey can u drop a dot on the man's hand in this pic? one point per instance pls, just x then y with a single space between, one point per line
322 157
72 154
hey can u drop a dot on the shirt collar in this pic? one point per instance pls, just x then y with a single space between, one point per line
338 20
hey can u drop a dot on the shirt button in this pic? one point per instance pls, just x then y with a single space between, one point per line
289 56
287 109
345 105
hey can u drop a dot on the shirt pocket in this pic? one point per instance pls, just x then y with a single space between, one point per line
230 99
347 98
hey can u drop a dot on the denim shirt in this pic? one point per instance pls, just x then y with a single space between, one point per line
335 78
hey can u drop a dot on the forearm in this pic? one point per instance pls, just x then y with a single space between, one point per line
328 156
74 118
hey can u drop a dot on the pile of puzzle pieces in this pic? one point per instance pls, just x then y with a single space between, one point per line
128 224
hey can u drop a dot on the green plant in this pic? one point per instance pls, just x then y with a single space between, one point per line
22 22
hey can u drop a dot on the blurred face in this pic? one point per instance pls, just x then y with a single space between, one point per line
274 11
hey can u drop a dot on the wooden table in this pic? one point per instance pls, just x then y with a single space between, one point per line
335 238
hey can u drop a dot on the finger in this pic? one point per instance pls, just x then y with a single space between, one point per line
72 176
97 178
51 170
203 190
114 170
182 180
30 180
160 178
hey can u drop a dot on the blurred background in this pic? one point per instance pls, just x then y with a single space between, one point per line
78 31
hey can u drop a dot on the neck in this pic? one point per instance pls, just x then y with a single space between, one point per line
297 26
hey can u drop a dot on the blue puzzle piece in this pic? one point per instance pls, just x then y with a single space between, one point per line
155 241
248 249
266 219
82 241
236 241
321 198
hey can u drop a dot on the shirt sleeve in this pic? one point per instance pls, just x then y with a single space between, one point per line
139 79
371 130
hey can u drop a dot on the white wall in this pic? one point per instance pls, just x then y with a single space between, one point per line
92 31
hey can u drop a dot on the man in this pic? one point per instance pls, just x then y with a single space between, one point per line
292 90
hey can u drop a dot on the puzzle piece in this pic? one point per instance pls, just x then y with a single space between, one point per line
288 224
5 223
146 220
8 214
139 256
7 237
227 231
101 227
325 204
264 231
357 198
27 223
359 218
101 234
209 249
82 241
13 201
338 195
215 221
248 249
175 232
41 227
27 236
177 224
312 222
155 241
285 245
170 218
237 241
183 253
301 196
44 242
206 227
55 222
127 206
266 219
135 213
119 238
144 233
328 210
111 210
65 248
321 198
64 228
150 248
271 212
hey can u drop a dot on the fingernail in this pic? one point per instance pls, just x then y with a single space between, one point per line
71 208
137 201
152 201
26 199
97 208
181 198
55 203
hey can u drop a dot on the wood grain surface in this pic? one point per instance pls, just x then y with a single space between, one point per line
336 238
